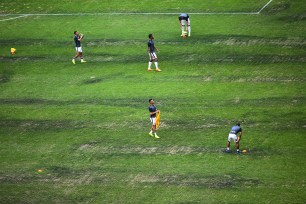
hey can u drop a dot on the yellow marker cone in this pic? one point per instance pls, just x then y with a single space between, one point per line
13 51
40 170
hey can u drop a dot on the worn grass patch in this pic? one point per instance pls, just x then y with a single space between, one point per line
215 182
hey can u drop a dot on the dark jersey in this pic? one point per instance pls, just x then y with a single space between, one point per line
236 129
184 16
151 45
77 42
152 109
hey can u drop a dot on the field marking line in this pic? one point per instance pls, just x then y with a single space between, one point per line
8 19
131 13
267 4
127 13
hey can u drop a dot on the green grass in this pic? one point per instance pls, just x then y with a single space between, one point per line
86 125
92 6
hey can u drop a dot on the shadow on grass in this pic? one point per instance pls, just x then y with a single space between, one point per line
277 7
168 101
105 78
294 18
42 125
6 76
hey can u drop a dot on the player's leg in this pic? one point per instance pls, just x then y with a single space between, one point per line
150 62
76 55
81 55
183 24
188 27
149 66
228 144
237 146
153 129
156 62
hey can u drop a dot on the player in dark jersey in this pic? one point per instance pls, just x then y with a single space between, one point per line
235 134
185 23
79 52
152 54
153 110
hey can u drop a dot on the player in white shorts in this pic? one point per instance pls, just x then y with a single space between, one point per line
235 134
153 111
152 54
78 48
185 23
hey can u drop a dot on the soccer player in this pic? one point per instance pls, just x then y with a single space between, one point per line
153 111
185 23
235 134
152 54
79 53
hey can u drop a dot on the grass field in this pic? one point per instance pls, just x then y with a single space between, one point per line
86 125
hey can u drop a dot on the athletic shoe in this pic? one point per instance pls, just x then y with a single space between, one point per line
238 152
151 134
73 61
227 151
82 61
158 70
157 137
149 69
188 35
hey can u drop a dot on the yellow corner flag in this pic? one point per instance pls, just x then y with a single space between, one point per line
157 120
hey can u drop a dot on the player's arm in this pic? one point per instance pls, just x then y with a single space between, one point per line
181 26
81 37
239 136
152 113
156 49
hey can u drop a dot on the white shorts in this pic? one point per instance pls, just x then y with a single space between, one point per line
152 55
78 49
183 22
153 121
232 137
